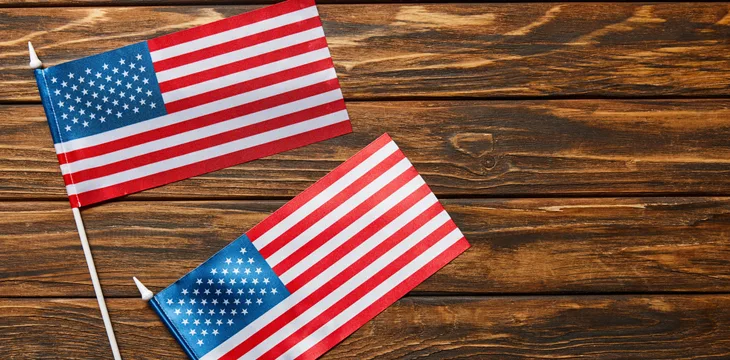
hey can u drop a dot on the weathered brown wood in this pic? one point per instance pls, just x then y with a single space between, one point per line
503 148
625 327
444 50
518 245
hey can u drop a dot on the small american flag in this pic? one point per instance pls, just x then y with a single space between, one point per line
192 102
318 268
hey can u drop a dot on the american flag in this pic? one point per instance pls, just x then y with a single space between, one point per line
192 102
319 267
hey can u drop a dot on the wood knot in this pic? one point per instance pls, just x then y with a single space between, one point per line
473 144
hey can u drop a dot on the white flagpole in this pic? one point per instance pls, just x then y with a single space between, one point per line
36 63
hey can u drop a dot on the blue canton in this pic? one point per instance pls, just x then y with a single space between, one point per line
221 296
102 92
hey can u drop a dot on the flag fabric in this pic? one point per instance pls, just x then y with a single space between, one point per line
318 268
192 102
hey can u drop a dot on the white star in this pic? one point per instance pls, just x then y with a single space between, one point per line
251 291
152 105
217 292
139 57
207 321
64 84
228 261
125 106
248 301
112 90
145 81
229 291
211 312
115 70
121 61
119 114
78 99
225 271
98 107
240 291
109 111
149 93
71 108
250 260
247 271
200 342
207 292
67 96
169 301
233 281
115 102
92 116
214 271
221 281
263 291
219 322
81 79
239 261
210 282
88 71
258 301
258 270
185 321
118 82
54 80
181 302
88 103
215 332
192 332
128 85
244 312
234 312
92 83
57 92
244 281
142 101
204 332
200 311
141 68
196 292
102 87
192 301
60 103
125 73
96 95
189 312
75 120
237 301
102 119
70 75
82 111
98 75
68 128
132 65
222 311
105 67
235 271
135 77
122 93
274 291
230 322
74 87
225 302
108 78
196 322
177 311
266 280
85 92
199 281
255 281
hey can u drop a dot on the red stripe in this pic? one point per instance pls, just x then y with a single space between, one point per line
317 295
237 44
247 86
228 24
199 122
368 232
359 292
223 161
388 299
316 188
245 64
330 205
204 143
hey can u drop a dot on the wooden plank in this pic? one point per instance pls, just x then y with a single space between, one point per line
644 326
441 50
523 246
463 148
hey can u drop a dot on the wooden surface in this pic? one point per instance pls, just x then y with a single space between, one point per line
584 150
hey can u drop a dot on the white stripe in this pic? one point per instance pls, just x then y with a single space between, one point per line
374 295
360 224
209 153
233 34
346 288
325 195
195 134
340 211
316 283
245 75
197 111
241 54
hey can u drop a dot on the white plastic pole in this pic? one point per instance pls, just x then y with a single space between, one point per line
97 284
36 63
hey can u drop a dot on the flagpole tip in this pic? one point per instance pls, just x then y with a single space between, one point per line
35 62
143 290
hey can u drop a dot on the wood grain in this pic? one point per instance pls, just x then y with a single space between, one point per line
463 148
435 50
527 246
625 327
